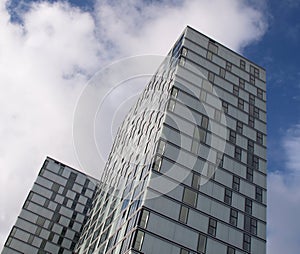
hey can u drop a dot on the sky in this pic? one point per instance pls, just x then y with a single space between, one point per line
49 50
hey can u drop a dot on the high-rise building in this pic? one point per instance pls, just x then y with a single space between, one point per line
54 212
187 171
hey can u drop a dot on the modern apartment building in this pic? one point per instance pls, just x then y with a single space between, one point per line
54 211
187 171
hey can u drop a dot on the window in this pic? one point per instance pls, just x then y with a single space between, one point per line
239 127
201 243
242 64
238 153
55 187
195 181
251 121
256 112
247 243
195 146
219 160
204 122
161 147
207 86
232 136
138 242
252 79
222 72
225 106
209 171
212 227
144 219
259 138
211 77
251 99
203 95
242 83
171 105
249 174
174 92
184 251
228 196
217 115
189 197
260 93
241 104
182 61
236 183
250 225
233 217
258 194
209 55
40 221
183 214
230 250
253 226
236 90
254 71
255 162
157 163
212 47
248 206
250 146
199 134
228 66
184 51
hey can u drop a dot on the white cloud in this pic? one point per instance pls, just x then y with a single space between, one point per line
45 63
284 199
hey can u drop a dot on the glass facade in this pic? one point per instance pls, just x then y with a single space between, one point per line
54 212
186 173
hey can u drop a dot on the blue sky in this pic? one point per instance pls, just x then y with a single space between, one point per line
50 49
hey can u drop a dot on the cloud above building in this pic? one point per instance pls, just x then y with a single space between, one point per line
46 59
284 198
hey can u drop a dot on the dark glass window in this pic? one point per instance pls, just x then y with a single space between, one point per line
241 104
201 244
228 196
236 183
222 72
225 106
232 136
242 83
242 64
233 217
251 99
259 194
259 138
248 206
236 90
247 243
251 121
230 250
260 93
213 47
239 127
212 227
249 174
183 215
252 79
238 153
228 66
189 197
